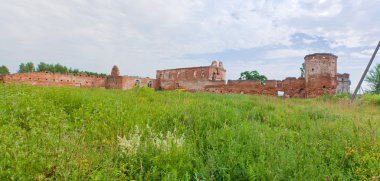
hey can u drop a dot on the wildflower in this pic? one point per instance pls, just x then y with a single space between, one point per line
130 146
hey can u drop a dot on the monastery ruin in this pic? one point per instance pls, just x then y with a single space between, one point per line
321 78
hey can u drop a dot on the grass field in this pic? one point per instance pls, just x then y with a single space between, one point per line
93 134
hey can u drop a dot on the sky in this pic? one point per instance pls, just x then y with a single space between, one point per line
143 36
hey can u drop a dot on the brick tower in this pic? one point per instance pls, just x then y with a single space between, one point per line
115 71
320 74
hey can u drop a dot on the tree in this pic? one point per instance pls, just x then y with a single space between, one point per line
28 67
302 68
373 79
253 75
4 70
43 67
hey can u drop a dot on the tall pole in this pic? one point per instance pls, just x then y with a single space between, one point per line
365 72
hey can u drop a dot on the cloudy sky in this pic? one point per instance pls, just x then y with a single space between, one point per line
141 36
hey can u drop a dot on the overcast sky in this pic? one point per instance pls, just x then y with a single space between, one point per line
142 36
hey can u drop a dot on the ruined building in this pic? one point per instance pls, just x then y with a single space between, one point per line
192 78
115 81
343 83
321 78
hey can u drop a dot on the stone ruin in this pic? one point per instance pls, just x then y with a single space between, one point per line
320 78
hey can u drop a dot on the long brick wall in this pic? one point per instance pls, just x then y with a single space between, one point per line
56 79
320 79
291 87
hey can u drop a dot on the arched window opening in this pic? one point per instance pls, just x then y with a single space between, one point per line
150 84
213 76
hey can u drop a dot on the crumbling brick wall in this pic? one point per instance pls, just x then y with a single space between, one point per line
320 78
56 79
129 82
114 82
251 87
193 78
291 87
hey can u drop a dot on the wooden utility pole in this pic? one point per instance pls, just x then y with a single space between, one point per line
365 72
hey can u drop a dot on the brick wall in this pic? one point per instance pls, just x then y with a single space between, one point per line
56 79
129 82
320 78
291 87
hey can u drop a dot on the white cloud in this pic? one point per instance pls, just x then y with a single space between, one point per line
365 54
309 41
142 36
285 54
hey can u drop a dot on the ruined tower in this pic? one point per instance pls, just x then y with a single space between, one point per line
343 83
320 74
115 71
217 71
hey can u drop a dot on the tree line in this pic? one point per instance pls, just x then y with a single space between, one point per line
55 68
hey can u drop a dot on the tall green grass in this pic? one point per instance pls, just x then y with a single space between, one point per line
93 134
371 98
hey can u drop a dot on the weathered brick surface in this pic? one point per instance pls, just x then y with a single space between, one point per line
343 83
292 87
74 80
320 78
129 82
193 78
115 71
320 74
56 79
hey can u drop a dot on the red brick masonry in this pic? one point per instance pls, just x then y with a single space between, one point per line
320 79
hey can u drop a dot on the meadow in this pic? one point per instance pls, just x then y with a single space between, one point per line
62 133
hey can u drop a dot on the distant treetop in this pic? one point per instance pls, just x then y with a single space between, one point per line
253 75
55 68
373 79
4 70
